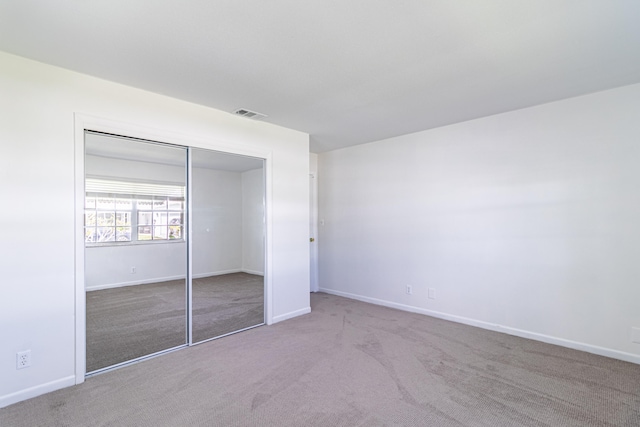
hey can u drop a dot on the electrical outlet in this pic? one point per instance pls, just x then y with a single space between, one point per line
133 270
635 335
23 359
431 293
409 290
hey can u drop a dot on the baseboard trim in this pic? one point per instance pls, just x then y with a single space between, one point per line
216 273
132 283
291 315
38 390
589 348
166 279
254 272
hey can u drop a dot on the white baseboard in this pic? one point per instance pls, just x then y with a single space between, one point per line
38 390
601 351
254 272
220 273
132 283
291 315
216 273
166 279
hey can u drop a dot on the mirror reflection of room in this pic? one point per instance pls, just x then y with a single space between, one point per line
227 193
135 248
138 248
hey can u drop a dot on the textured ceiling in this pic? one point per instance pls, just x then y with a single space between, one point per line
346 72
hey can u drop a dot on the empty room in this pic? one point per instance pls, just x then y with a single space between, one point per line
421 213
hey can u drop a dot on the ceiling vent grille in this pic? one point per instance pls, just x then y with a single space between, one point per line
250 114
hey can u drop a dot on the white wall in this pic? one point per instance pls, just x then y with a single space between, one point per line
110 266
253 221
37 300
526 222
217 222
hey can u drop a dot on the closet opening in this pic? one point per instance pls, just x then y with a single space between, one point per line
173 247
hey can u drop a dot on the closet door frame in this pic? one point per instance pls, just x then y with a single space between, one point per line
82 123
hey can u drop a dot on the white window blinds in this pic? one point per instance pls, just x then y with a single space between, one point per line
100 185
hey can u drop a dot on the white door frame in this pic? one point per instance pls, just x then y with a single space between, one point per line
84 122
313 232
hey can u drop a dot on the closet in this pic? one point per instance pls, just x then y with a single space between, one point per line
174 247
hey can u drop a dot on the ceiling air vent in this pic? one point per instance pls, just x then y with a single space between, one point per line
250 114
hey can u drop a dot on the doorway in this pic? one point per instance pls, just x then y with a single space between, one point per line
174 247
313 232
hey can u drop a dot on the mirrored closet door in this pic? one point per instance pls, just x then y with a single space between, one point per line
135 248
151 285
227 196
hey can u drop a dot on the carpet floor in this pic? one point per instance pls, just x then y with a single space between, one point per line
349 363
134 321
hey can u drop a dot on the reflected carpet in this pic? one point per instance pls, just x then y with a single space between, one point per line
133 321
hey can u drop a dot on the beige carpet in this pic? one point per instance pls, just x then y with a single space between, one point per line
352 364
134 321
226 303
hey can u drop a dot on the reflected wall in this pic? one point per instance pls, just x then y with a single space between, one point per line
227 240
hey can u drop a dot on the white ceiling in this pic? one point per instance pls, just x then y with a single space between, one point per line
347 72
